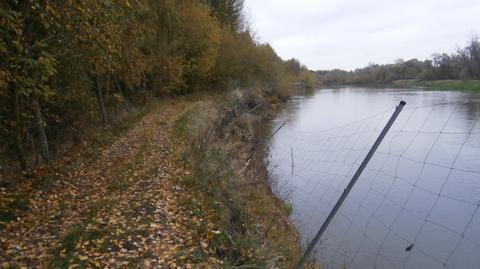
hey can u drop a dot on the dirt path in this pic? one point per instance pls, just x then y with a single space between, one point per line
118 209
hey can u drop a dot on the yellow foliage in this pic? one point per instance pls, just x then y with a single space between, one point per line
199 40
69 54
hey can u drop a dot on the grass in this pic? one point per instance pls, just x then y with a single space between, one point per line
17 206
250 224
65 252
15 200
64 255
461 85
237 214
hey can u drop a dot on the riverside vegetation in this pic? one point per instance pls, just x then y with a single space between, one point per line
66 66
125 143
225 151
458 71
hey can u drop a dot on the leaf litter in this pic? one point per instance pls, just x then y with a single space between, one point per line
118 209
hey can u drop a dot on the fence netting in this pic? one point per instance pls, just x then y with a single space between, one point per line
416 205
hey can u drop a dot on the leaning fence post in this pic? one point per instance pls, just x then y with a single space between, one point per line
350 185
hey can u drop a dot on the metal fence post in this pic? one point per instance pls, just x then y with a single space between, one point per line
293 164
350 185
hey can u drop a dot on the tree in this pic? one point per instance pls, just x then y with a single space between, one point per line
293 66
67 65
229 13
199 40
470 56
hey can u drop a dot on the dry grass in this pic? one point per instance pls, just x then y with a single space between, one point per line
231 194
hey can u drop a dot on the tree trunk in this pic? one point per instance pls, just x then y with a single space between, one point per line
36 157
41 130
126 103
18 133
101 104
107 87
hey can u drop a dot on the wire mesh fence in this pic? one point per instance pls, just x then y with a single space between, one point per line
416 205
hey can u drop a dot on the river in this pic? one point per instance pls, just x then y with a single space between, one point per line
416 205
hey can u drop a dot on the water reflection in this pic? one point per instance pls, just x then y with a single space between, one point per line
422 186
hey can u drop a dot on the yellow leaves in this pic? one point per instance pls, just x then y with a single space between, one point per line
82 258
118 98
201 35
4 78
155 225
172 264
167 46
48 64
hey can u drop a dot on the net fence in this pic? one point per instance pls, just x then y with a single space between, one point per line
416 205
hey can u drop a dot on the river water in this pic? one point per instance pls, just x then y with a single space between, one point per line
421 188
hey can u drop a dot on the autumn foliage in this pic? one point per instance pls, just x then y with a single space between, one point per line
67 65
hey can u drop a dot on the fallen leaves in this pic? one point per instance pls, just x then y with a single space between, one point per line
82 258
120 208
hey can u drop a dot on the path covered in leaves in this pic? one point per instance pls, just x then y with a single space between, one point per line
120 208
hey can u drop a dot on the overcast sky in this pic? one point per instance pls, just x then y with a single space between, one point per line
327 34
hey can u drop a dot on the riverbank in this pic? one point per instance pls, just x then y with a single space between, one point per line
454 85
462 85
181 185
232 202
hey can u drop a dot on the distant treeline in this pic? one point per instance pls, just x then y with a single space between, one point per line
65 65
462 65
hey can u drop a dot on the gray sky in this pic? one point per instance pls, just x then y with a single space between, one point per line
327 34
